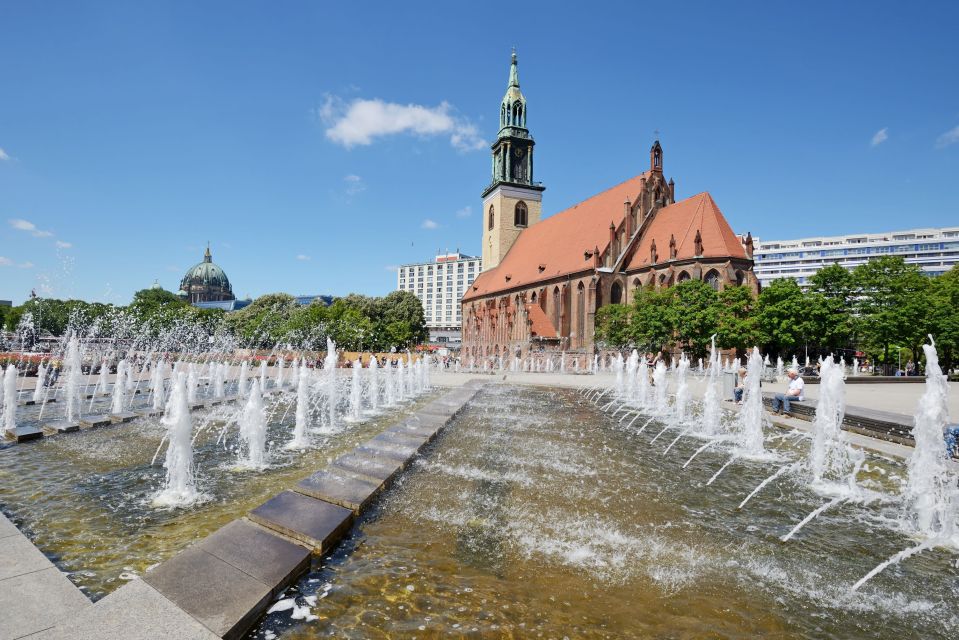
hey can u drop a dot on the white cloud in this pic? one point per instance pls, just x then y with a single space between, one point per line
465 212
429 224
3 155
63 245
392 267
354 185
880 136
303 258
25 225
360 121
948 138
7 262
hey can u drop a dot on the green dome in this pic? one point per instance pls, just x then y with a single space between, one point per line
206 279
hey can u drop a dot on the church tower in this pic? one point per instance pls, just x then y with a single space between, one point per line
512 201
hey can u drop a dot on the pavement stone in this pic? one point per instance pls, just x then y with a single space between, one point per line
7 528
367 465
123 416
401 453
314 522
135 611
346 491
224 599
92 422
37 601
60 426
24 434
272 560
19 556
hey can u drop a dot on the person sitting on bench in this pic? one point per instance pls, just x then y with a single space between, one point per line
793 393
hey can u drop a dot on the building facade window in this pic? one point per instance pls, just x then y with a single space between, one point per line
520 214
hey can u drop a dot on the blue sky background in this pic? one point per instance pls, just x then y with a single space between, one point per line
316 144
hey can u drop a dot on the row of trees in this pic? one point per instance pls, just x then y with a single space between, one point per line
354 322
881 307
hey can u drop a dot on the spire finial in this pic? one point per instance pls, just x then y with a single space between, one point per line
513 72
207 256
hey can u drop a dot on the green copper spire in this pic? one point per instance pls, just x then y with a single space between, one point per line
512 112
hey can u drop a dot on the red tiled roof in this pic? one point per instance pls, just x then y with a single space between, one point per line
540 324
681 220
558 243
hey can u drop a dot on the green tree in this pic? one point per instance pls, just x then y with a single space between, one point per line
693 314
652 319
892 304
944 315
613 328
737 324
263 323
780 315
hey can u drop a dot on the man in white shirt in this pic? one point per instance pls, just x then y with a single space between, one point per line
794 392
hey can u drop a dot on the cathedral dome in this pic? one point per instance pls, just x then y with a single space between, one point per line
206 281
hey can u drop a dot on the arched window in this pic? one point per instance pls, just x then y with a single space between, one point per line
658 159
491 217
683 276
520 214
740 278
712 279
615 293
556 304
580 312
533 298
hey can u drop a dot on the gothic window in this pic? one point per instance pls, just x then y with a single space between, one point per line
740 278
580 312
712 279
491 217
658 159
615 293
683 276
556 304
520 216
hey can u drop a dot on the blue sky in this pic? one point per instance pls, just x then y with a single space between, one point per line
316 145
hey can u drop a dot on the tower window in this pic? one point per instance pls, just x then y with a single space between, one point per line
520 214
491 221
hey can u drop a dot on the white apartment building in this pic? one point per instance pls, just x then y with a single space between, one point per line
439 285
934 250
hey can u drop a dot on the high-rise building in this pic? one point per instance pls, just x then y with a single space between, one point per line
934 250
439 285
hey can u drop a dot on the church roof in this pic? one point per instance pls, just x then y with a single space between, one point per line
682 220
556 245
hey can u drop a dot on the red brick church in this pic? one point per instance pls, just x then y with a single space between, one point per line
543 280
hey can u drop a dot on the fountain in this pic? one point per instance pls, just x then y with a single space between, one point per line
219 373
751 419
41 379
10 399
300 439
191 384
263 375
179 489
356 391
241 386
374 385
253 430
329 367
280 364
661 399
831 460
931 488
712 411
681 405
642 383
118 404
159 389
72 374
780 370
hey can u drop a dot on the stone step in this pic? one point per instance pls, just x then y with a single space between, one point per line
340 489
92 422
24 434
60 426
316 523
371 467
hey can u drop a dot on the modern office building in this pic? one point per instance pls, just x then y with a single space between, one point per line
440 285
934 250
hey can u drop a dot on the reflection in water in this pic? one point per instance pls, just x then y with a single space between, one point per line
535 514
